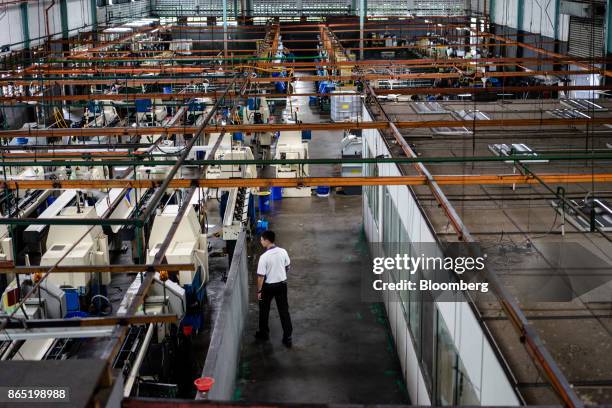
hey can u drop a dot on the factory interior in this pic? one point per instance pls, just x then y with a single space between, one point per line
146 145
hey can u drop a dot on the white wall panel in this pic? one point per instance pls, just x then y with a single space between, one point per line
79 14
11 31
494 382
469 344
465 331
538 16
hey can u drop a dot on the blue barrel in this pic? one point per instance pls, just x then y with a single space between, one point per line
323 191
312 100
263 202
253 103
238 136
167 89
51 200
72 300
306 134
277 193
22 140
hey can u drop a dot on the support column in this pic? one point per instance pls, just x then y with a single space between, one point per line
225 28
25 25
64 18
94 17
557 15
608 46
362 16
520 12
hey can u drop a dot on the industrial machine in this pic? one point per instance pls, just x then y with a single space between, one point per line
222 171
256 111
150 113
236 213
22 173
291 146
351 146
100 114
62 248
188 246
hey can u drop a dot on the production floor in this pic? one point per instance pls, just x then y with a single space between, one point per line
343 350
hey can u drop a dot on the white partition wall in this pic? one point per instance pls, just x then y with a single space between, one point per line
446 357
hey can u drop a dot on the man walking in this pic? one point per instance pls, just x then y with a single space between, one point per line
272 284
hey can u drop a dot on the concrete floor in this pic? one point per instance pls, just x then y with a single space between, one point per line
343 350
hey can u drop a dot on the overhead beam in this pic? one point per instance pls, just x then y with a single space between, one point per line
91 321
489 179
9 267
160 130
143 80
399 91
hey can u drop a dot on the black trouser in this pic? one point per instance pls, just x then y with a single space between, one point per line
276 291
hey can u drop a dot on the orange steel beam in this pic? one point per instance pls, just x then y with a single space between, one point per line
311 64
400 91
237 51
306 66
494 179
368 77
304 126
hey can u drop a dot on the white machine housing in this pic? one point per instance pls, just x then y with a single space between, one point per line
226 171
104 118
91 250
290 146
188 245
248 115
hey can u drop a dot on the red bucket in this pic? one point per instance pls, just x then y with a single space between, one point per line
204 384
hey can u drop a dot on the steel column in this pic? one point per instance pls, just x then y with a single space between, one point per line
25 25
64 18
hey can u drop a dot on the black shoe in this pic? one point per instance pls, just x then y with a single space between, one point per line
261 337
287 343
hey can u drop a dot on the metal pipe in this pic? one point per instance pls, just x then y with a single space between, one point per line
129 382
18 160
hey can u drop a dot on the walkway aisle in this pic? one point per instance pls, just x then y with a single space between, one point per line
342 351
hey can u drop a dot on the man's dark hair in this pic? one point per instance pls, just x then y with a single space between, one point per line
268 235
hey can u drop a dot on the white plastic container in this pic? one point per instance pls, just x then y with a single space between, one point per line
345 107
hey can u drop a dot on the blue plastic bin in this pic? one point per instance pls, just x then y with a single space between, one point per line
323 191
262 225
277 193
263 202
